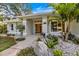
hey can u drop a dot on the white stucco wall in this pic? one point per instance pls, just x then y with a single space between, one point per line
75 28
9 28
29 26
44 26
25 31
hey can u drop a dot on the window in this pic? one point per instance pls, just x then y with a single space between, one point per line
11 26
59 24
53 26
56 26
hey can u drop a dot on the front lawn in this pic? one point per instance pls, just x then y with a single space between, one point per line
6 42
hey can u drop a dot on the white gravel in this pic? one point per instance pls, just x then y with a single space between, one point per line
68 48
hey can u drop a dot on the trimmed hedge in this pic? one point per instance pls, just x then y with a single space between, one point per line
29 51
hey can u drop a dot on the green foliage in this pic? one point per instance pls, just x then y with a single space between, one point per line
77 53
76 40
29 51
51 44
73 38
3 28
52 41
20 27
15 8
6 42
58 53
19 8
54 38
67 11
20 39
1 18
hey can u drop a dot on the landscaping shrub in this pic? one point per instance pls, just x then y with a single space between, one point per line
52 37
3 28
51 44
77 53
73 38
20 39
52 41
6 42
58 53
10 34
29 51
49 36
76 41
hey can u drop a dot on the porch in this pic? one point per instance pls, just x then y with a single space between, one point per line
43 25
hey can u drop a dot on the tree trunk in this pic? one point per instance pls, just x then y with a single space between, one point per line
67 31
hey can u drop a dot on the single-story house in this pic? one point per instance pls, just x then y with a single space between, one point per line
39 23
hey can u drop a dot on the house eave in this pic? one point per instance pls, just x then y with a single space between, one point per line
35 15
12 21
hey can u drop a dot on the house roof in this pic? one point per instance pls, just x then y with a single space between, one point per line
35 15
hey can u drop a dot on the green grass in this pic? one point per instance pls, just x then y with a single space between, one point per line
6 43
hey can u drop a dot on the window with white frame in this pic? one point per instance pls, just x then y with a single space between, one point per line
12 27
56 26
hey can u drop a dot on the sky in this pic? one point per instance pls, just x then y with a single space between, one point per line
38 7
41 7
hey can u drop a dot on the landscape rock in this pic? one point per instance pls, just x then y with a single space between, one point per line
69 49
41 49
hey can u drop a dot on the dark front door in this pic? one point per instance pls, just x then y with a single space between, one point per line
38 28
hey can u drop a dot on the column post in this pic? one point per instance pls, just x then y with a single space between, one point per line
24 23
44 25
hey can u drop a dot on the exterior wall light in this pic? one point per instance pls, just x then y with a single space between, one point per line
44 23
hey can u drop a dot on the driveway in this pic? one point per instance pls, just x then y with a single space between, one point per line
12 51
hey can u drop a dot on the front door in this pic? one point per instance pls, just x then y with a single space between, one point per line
38 28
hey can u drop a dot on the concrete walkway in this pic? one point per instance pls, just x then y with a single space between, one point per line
12 51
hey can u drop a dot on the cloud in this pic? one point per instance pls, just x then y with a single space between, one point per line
43 10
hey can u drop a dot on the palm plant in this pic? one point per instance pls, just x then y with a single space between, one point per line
67 12
19 9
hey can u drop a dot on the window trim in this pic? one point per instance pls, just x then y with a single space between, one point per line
52 28
12 27
57 26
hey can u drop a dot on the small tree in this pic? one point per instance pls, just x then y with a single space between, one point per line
21 28
67 12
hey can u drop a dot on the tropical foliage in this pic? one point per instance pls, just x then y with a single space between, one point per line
58 52
52 41
14 9
19 8
66 12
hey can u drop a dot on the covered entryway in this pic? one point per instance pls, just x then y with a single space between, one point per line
38 26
